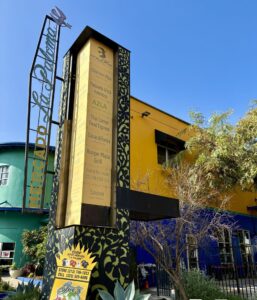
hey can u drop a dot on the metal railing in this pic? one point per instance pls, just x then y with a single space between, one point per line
164 284
238 280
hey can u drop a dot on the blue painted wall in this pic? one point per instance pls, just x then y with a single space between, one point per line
208 254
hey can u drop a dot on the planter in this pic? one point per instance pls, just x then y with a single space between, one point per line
15 273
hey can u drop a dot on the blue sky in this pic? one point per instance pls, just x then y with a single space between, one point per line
185 54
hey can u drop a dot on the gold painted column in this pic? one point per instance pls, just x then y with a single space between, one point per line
90 168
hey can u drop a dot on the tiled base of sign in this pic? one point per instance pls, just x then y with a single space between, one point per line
109 246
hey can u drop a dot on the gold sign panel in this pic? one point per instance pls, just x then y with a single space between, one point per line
92 130
74 268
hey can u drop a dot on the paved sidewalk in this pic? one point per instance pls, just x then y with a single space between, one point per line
153 292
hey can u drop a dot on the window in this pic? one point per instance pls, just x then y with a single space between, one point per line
192 252
167 146
245 247
3 175
6 253
225 247
164 154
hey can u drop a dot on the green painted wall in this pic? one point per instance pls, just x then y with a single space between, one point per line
12 225
13 191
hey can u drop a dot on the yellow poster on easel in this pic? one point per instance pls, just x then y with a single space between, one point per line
74 267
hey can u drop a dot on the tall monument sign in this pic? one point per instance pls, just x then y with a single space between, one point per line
91 201
92 161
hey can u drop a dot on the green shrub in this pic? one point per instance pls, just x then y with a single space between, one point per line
231 297
198 286
35 295
34 246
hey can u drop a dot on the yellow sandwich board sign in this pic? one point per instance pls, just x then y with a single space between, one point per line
74 267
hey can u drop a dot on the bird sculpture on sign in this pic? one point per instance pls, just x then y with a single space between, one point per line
59 17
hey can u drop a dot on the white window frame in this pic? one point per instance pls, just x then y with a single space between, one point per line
11 251
245 245
188 245
222 240
2 173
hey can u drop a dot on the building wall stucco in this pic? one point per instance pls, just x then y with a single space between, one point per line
12 221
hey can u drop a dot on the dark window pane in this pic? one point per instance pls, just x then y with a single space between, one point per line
161 152
240 236
226 234
8 246
229 259
171 154
227 248
222 258
6 262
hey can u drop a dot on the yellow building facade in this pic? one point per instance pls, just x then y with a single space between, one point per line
146 170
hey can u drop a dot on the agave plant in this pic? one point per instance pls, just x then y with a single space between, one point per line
25 292
120 294
30 287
